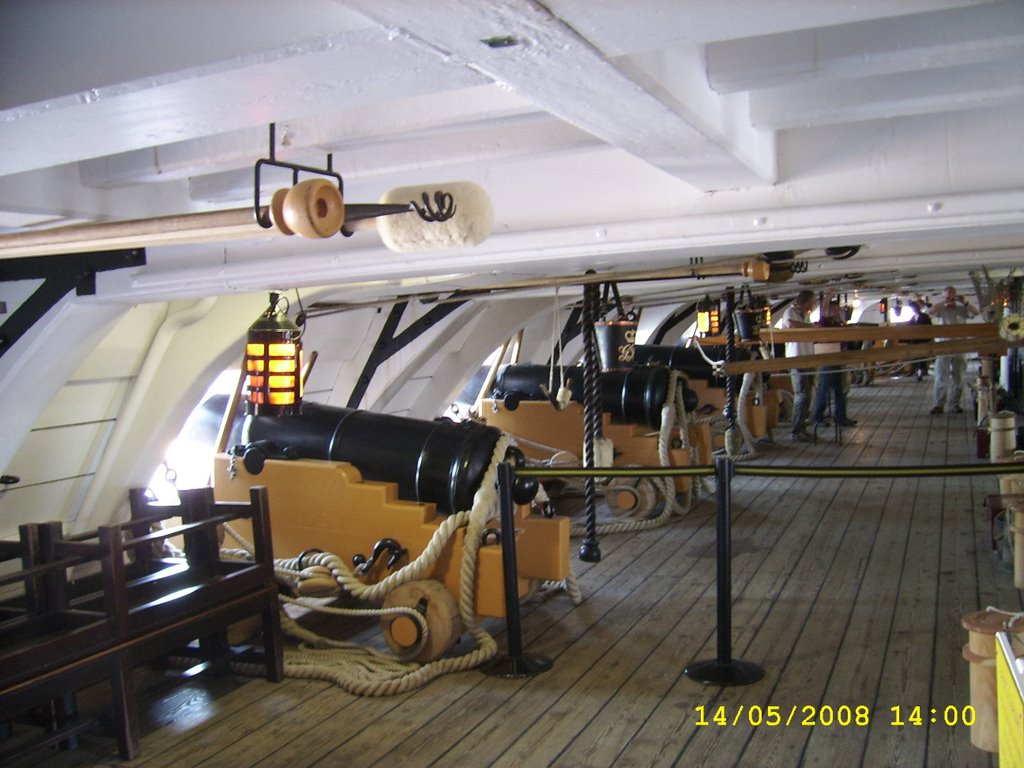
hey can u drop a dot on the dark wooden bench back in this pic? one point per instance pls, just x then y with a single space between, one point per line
131 603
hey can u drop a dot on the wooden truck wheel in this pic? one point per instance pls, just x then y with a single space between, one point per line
437 605
635 498
277 212
314 208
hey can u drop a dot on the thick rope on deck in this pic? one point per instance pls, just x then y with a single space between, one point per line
673 416
365 671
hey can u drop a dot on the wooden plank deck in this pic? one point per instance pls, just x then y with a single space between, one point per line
848 592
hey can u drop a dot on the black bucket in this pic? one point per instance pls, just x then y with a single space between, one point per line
616 343
431 461
748 322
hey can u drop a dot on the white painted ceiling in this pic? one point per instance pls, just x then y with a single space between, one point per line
610 135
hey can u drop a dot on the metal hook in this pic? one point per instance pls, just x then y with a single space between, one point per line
363 565
445 207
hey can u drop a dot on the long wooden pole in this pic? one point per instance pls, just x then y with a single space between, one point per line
901 332
867 333
866 356
206 226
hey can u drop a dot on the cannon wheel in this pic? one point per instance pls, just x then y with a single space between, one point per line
438 606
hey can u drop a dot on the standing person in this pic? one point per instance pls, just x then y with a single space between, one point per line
949 369
830 377
920 318
798 315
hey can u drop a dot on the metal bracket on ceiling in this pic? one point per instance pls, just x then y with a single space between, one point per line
389 343
262 214
60 274
441 208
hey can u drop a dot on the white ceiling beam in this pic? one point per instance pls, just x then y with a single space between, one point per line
329 73
888 96
550 64
61 47
361 262
531 136
369 123
676 77
57 193
624 28
981 33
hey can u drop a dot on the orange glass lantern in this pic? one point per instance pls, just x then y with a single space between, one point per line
273 362
707 317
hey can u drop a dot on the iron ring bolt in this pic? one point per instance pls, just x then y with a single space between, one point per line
304 553
490 537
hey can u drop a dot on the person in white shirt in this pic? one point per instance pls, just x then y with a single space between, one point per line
797 315
949 369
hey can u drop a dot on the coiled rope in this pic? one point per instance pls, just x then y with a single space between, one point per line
364 671
673 415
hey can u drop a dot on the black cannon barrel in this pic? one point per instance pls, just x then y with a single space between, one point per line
687 360
522 381
437 461
635 395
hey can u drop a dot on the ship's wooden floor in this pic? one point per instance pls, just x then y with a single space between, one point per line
847 592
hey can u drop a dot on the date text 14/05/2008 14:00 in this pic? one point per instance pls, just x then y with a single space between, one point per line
829 716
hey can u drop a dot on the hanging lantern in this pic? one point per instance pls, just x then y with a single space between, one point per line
273 362
707 317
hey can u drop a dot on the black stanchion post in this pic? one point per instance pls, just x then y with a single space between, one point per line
515 663
725 670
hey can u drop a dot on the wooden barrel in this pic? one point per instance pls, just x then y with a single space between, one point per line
980 651
1011 484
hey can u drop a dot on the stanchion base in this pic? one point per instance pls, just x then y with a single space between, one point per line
715 672
590 552
517 666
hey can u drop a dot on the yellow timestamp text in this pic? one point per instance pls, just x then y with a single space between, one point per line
843 716
773 716
918 715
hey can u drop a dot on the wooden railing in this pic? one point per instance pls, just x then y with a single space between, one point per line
59 634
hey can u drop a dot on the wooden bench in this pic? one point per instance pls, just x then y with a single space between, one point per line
64 635
40 631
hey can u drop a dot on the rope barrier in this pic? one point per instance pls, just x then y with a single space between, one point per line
936 470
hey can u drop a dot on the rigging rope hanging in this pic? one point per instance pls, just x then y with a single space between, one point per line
673 416
592 414
558 398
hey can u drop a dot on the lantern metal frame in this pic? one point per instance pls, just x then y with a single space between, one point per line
273 362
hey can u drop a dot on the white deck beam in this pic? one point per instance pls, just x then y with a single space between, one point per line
554 67
366 124
888 96
330 73
983 33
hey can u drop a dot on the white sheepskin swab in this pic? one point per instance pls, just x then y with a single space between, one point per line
407 232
